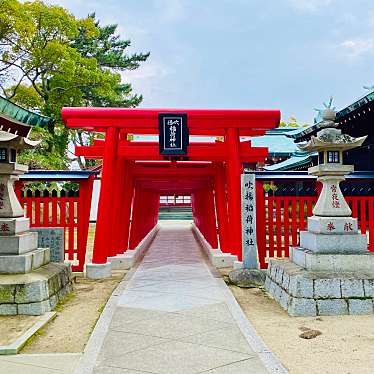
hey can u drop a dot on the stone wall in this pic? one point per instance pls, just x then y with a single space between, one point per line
34 293
307 293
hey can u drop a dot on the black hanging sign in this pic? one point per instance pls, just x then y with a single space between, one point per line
173 133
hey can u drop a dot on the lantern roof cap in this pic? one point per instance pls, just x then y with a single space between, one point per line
331 139
18 141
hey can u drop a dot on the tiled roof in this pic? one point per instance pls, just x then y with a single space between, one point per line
17 113
298 159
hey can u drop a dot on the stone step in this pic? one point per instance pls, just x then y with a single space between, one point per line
34 293
19 243
24 263
323 243
12 226
332 262
332 225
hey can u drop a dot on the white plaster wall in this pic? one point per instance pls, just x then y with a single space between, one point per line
95 199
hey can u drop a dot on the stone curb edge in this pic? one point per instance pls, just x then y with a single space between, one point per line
16 346
271 362
96 340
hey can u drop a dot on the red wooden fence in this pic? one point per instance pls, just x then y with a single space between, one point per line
67 209
281 218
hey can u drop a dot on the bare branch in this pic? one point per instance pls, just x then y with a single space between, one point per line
12 63
74 86
4 91
16 87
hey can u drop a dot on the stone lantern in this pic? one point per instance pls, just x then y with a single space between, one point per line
331 214
10 146
29 283
331 272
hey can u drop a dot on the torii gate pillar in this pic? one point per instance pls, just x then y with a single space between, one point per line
100 267
233 172
230 155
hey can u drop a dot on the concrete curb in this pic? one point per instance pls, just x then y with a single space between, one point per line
127 259
96 340
16 346
271 362
216 256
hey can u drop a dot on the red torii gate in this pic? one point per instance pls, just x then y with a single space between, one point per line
134 174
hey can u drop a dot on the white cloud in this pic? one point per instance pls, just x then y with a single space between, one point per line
148 70
149 80
170 10
310 5
355 48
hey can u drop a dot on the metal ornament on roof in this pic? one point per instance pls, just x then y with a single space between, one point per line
328 111
370 88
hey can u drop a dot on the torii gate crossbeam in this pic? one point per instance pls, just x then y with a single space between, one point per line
209 172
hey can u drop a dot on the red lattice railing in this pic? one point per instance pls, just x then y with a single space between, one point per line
67 209
281 218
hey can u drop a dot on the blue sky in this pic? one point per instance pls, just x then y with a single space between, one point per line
284 54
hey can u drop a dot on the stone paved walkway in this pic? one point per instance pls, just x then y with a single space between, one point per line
173 316
54 363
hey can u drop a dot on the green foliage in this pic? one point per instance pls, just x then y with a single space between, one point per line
267 187
70 186
41 186
292 122
43 157
110 53
50 59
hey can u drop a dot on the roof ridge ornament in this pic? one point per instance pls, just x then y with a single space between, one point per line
326 113
370 88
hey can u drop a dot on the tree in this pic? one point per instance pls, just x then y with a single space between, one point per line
292 122
110 53
50 59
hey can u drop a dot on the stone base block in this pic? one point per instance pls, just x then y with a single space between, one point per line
322 243
24 263
123 261
128 259
218 258
222 260
99 271
36 292
247 278
238 265
13 226
19 243
303 292
332 262
332 225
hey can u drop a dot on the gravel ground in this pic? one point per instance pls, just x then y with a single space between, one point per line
345 345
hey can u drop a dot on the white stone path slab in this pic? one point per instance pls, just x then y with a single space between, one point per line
174 315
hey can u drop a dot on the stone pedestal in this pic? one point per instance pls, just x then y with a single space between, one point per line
304 292
333 235
331 273
29 283
36 292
